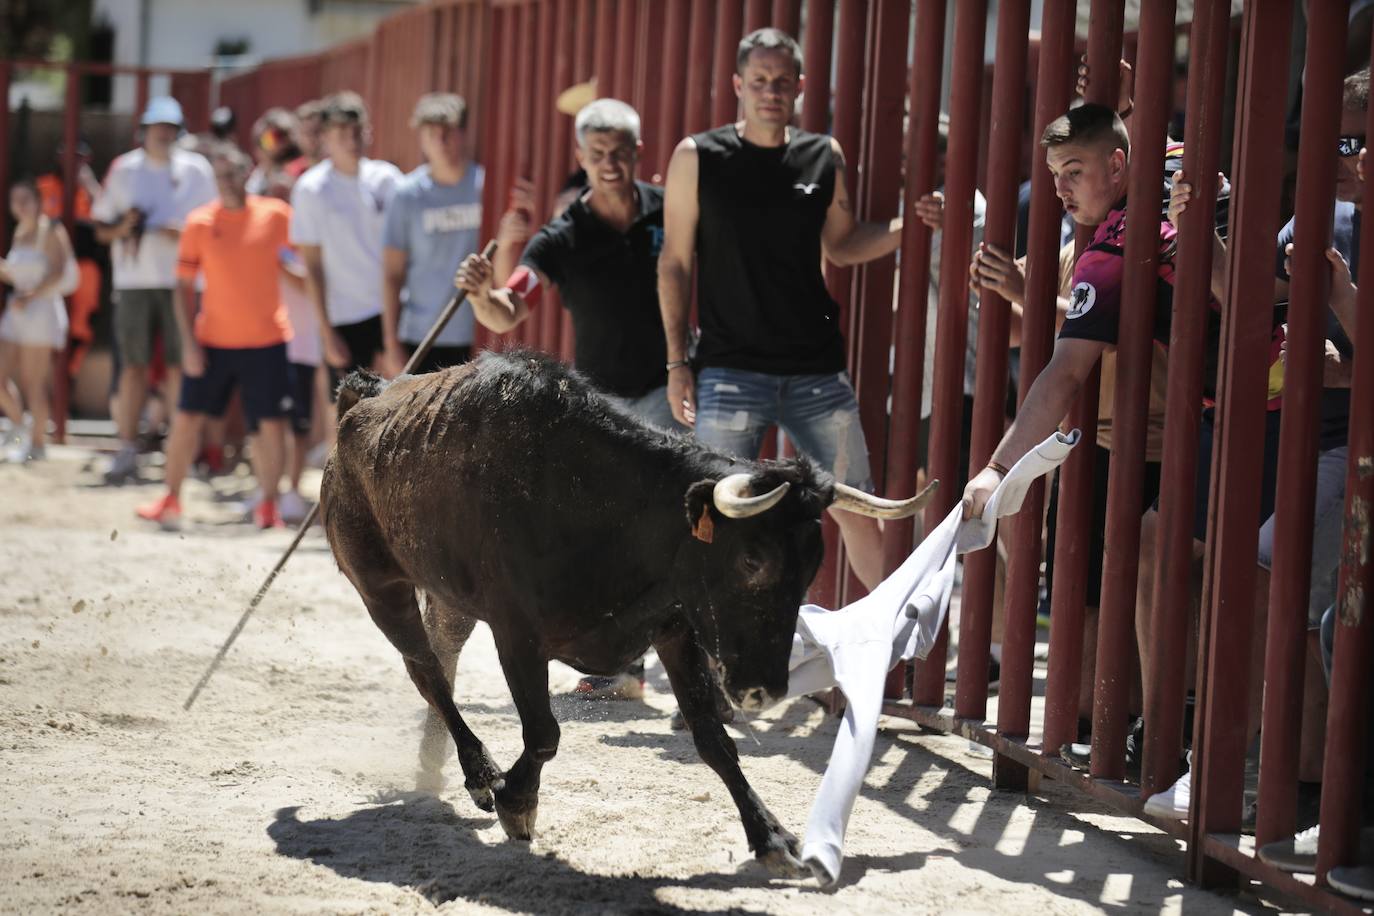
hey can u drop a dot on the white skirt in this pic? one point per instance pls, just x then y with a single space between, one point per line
41 323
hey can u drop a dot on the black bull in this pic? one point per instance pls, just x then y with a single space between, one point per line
510 492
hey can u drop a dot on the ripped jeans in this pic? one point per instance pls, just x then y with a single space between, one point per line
819 413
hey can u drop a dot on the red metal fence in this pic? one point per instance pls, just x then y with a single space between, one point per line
673 61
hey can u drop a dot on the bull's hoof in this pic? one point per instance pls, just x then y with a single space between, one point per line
518 824
783 863
482 797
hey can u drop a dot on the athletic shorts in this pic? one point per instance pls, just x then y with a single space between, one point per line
302 398
1327 528
262 376
139 314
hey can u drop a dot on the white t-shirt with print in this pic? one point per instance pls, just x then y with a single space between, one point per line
345 215
165 192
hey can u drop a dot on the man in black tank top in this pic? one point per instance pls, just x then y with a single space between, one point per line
757 204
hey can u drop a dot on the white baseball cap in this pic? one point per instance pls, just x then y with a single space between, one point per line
162 110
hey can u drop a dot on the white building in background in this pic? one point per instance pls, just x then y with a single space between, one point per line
191 33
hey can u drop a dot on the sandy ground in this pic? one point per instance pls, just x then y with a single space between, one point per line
287 787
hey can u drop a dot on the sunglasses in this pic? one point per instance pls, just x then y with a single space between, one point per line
1349 146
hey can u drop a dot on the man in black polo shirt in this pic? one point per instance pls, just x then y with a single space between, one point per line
602 255
756 204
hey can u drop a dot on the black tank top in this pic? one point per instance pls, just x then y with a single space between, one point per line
762 301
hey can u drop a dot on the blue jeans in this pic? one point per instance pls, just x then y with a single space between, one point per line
652 408
1327 531
818 412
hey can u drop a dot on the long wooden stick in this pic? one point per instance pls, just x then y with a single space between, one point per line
416 358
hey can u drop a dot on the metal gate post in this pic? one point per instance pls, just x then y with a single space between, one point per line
923 92
989 411
700 71
1053 90
1172 578
1233 525
820 38
1352 667
951 324
1295 497
787 16
729 31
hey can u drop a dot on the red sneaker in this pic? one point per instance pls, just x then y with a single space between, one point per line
165 511
265 515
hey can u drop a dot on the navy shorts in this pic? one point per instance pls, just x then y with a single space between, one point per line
262 376
302 398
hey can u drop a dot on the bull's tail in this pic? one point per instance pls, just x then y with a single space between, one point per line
358 384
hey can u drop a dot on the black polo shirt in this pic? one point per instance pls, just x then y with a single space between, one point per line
609 282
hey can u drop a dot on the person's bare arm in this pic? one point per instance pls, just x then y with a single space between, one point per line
335 350
1048 400
394 261
56 250
184 309
497 310
108 233
846 240
680 214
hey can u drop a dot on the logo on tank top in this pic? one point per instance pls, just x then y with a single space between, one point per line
807 189
1081 300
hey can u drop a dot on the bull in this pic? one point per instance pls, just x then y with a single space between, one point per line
509 491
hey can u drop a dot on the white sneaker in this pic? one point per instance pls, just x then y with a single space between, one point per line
1305 841
292 507
1173 802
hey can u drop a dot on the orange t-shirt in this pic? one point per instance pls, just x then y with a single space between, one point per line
239 252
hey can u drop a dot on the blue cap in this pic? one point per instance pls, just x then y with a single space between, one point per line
162 110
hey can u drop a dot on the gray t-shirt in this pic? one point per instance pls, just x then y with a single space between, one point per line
436 225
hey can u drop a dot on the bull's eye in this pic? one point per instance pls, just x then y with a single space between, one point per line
751 563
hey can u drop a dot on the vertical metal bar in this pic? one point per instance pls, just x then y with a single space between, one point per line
756 15
1347 722
951 324
649 73
544 146
882 188
820 38
624 48
520 146
1295 497
605 48
923 91
729 31
1172 577
61 383
700 74
5 68
1053 90
787 16
673 92
989 403
559 160
1134 355
1233 532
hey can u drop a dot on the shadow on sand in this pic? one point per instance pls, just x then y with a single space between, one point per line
413 840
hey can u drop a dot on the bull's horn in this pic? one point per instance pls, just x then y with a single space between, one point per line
861 503
731 496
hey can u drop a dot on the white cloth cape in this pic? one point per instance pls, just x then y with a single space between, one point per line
854 648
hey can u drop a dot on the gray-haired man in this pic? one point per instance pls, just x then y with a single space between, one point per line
602 255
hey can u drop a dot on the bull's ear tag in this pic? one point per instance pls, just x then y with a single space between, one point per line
705 529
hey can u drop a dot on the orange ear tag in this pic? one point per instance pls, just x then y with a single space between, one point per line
705 529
